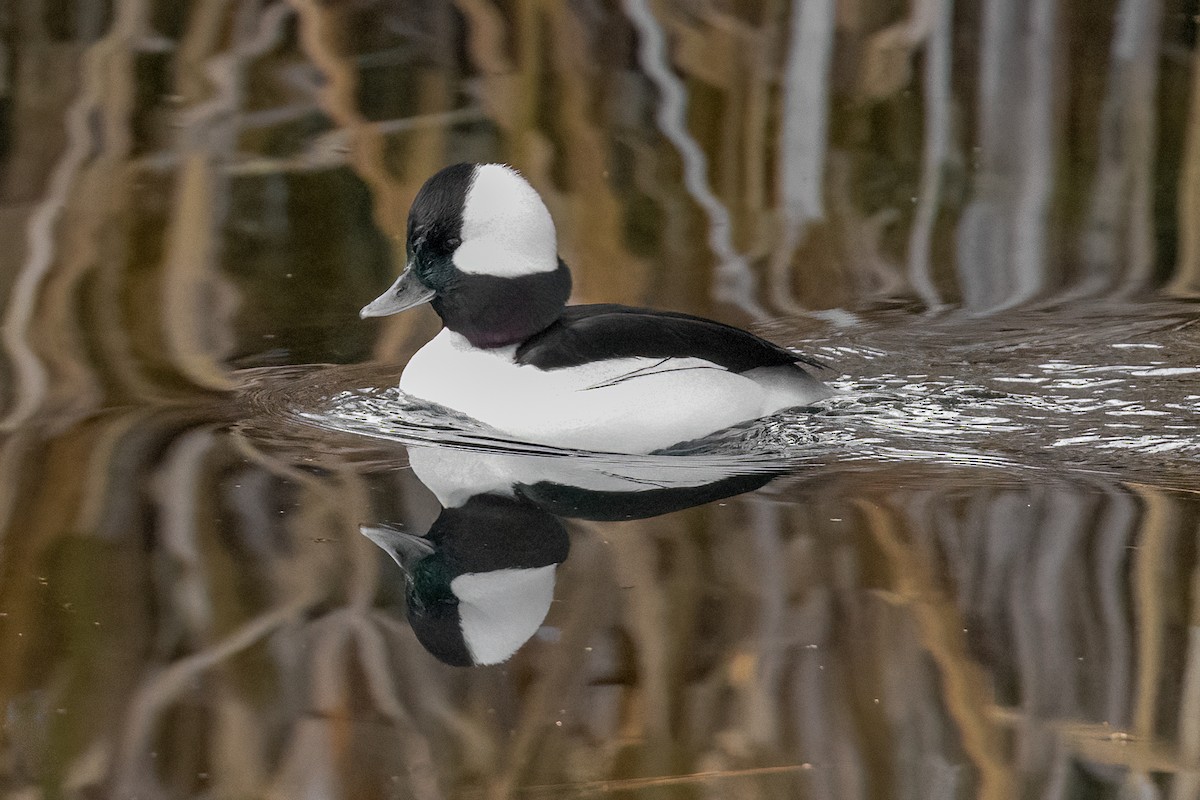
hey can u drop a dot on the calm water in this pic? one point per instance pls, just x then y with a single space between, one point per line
974 572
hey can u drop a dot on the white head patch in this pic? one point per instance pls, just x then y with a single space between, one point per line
501 610
507 230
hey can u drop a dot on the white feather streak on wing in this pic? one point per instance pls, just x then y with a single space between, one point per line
653 369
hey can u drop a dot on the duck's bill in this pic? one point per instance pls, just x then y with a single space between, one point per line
405 293
405 548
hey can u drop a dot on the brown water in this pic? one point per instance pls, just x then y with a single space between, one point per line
976 574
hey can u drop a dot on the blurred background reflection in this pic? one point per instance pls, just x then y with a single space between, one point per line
984 581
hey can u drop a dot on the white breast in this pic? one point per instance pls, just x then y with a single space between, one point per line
626 405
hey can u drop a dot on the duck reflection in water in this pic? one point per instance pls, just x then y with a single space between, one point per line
479 584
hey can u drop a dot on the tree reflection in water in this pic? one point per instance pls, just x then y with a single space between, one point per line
197 193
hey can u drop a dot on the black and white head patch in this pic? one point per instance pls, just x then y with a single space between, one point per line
507 230
480 219
481 238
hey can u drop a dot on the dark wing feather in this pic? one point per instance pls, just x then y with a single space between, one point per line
572 501
597 332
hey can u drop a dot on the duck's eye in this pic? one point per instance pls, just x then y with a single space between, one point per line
453 242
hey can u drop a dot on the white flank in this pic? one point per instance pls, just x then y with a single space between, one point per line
455 476
501 610
623 405
507 230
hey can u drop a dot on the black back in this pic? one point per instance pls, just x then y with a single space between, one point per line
580 503
583 334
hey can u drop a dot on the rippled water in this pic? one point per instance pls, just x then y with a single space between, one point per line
1104 394
987 536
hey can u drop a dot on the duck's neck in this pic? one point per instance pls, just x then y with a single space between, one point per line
490 311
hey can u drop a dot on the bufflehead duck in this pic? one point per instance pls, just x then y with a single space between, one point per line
482 249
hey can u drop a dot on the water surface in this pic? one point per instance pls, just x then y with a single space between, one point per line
973 572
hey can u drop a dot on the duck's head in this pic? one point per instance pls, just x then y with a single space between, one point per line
480 583
481 248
